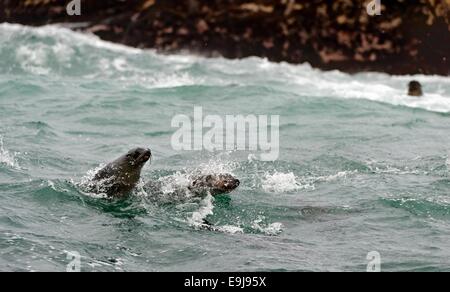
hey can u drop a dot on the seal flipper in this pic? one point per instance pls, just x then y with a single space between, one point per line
206 222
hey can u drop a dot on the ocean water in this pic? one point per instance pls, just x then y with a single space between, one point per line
362 166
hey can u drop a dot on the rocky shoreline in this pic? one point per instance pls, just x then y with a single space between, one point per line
409 37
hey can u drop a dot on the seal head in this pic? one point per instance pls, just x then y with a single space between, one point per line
214 184
415 88
118 178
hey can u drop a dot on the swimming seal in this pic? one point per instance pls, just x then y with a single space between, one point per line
214 184
415 88
199 186
118 178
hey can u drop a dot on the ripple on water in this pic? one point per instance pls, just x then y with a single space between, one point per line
436 207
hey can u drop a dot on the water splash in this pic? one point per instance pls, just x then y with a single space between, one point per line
334 177
67 48
218 165
7 157
280 182
205 209
176 187
288 182
387 168
33 59
268 229
231 229
86 184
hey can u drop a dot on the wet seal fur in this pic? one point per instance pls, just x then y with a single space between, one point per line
214 184
119 178
415 88
199 186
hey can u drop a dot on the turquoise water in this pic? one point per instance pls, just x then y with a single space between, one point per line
362 167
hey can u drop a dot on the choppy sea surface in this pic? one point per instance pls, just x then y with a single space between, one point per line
362 166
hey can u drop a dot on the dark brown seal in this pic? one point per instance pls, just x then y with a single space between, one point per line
118 178
415 88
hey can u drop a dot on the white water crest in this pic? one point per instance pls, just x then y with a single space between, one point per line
68 48
280 182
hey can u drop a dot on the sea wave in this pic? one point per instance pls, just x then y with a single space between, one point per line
279 182
288 182
59 51
422 205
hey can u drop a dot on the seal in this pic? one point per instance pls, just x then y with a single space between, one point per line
118 178
198 186
415 88
214 184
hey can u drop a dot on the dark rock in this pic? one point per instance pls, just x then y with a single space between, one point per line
409 37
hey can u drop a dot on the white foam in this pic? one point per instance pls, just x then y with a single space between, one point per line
63 53
334 177
280 182
7 157
274 228
206 208
175 80
87 183
67 35
51 184
120 64
382 168
33 58
176 184
91 173
218 165
130 73
160 80
439 200
376 87
301 79
231 229
271 229
176 187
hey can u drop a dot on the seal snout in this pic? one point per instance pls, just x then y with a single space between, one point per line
415 88
145 155
234 183
139 155
231 183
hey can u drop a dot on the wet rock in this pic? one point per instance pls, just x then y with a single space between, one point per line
409 37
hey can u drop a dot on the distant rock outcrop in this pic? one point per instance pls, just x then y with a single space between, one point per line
408 37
